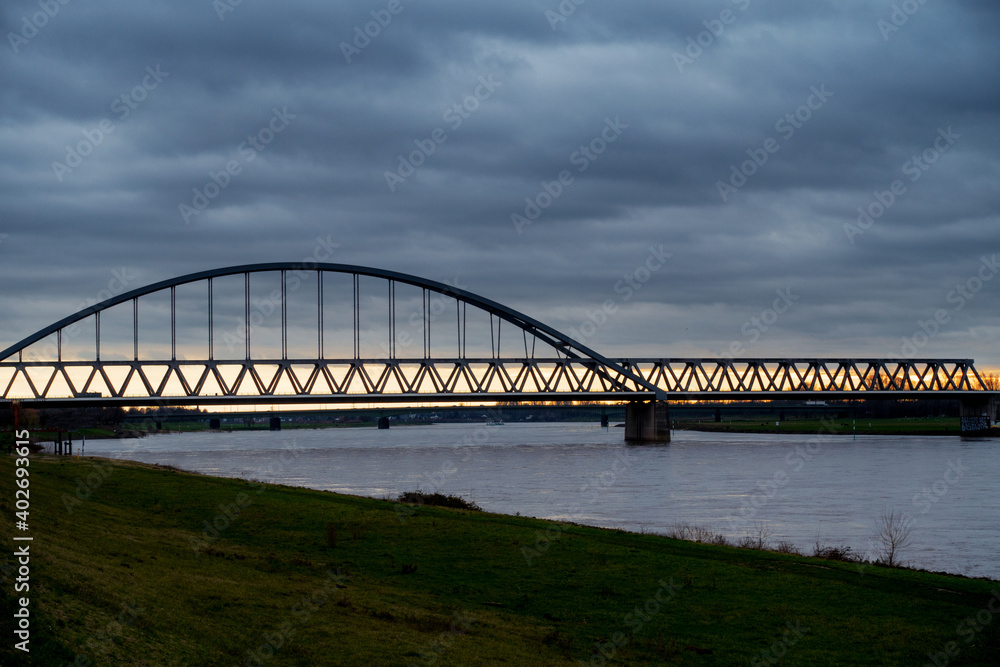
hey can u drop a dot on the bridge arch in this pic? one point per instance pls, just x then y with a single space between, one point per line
575 372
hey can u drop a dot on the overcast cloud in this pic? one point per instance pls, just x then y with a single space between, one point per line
742 136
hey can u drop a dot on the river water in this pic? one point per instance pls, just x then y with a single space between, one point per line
806 489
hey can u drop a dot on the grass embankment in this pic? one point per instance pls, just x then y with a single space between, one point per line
117 580
866 426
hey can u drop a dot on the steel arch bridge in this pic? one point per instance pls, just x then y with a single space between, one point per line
570 370
35 372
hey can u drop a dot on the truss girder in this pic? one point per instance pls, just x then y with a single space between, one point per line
783 376
498 379
525 379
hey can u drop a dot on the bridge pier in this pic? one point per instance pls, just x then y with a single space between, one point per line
979 414
647 422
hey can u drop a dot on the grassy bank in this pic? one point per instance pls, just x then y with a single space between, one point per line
124 572
894 426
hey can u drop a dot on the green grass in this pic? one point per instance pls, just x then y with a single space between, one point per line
428 585
865 426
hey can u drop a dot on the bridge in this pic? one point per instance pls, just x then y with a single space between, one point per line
336 333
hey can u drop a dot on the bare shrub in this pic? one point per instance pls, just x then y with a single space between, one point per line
784 547
689 533
841 553
721 540
702 534
438 499
679 531
892 534
757 536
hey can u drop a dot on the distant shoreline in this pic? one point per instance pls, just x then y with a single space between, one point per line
934 426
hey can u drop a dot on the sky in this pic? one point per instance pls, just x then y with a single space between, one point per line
730 178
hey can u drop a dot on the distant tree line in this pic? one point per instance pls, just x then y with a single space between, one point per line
65 418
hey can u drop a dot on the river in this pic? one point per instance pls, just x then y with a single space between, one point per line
804 489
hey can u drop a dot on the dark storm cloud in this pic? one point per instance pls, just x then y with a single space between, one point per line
819 107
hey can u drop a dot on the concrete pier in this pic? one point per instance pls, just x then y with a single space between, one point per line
979 414
647 422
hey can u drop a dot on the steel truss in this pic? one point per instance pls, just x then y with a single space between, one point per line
810 378
575 370
456 379
328 380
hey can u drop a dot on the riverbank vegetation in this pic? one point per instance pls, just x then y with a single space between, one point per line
839 426
138 564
